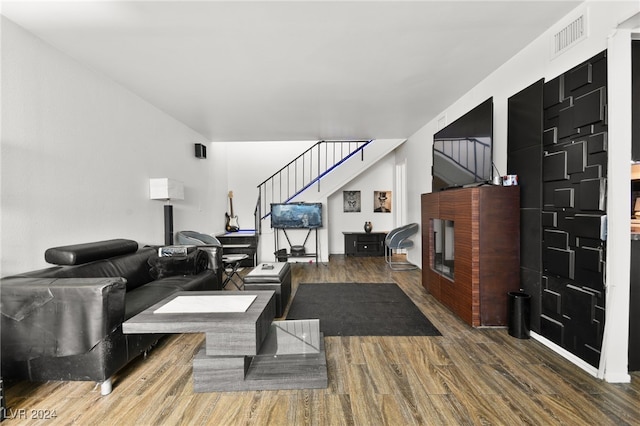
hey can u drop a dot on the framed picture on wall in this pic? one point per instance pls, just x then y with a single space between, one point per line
351 201
382 201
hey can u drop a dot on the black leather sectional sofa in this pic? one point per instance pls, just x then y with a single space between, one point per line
65 322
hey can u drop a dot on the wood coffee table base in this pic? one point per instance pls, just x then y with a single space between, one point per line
243 350
261 372
291 356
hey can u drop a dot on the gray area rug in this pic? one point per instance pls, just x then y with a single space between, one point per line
358 309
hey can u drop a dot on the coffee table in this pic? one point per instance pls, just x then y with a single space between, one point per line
244 348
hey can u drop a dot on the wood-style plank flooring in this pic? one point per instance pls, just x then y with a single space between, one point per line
465 377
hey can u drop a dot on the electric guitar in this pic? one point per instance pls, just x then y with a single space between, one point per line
232 221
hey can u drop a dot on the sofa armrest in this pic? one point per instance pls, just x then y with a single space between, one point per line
58 316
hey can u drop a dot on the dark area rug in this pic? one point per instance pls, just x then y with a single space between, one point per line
357 309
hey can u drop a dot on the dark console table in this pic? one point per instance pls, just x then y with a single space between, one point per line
364 243
241 242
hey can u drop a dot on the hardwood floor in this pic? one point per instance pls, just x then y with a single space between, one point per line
465 377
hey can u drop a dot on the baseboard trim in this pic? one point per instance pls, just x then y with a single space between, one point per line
566 354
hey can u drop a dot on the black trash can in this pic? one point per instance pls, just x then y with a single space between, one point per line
519 314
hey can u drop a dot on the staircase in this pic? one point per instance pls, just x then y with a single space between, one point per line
304 172
290 184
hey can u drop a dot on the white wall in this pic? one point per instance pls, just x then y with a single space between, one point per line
250 163
377 178
77 152
529 65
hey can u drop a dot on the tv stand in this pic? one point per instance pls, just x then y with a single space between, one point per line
291 253
480 263
364 243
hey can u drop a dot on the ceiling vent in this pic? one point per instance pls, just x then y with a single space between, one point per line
570 35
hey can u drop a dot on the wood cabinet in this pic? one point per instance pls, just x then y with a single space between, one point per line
485 255
364 244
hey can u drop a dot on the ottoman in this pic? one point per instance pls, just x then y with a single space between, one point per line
271 276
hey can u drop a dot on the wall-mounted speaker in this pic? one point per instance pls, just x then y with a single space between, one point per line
201 151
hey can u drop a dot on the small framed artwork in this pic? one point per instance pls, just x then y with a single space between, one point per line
382 201
351 200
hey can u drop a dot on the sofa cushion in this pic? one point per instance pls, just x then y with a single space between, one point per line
167 266
144 297
132 267
77 254
201 282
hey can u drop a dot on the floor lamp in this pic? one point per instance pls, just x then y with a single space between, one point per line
167 190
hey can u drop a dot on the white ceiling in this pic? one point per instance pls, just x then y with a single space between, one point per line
293 70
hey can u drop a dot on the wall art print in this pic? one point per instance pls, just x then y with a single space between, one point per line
382 201
351 200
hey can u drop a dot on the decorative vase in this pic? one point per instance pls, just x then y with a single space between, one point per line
367 227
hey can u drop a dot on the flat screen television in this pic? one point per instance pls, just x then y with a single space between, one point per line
296 215
462 151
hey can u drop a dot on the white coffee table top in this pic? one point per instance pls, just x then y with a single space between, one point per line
206 304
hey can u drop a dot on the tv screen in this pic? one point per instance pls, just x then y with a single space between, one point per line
296 215
462 151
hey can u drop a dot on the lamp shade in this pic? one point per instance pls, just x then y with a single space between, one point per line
165 189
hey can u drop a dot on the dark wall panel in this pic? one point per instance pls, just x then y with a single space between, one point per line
635 99
592 194
634 312
531 284
525 119
574 200
563 198
597 143
576 157
580 76
589 109
553 92
556 238
552 329
549 219
524 158
554 166
530 239
550 136
558 262
527 164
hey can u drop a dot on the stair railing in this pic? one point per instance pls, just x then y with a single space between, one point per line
303 172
